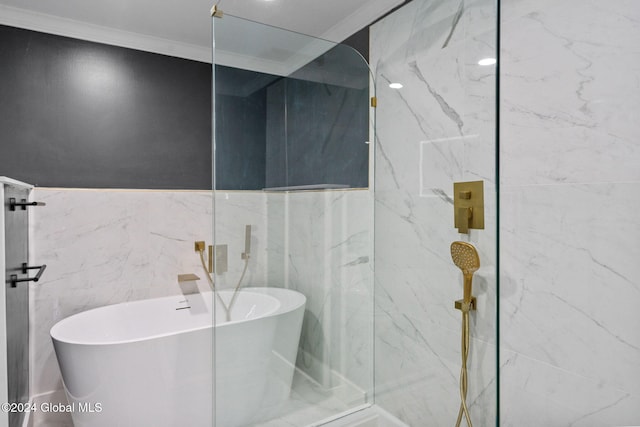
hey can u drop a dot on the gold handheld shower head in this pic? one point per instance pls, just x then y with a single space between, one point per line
465 256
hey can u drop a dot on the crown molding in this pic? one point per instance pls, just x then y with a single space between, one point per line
52 24
22 18
360 18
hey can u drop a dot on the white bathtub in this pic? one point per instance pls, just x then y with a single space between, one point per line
150 363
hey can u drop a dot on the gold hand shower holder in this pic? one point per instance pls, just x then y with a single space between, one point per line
465 256
465 306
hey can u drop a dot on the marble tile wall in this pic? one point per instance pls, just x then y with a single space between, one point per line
569 98
438 129
105 247
570 101
320 244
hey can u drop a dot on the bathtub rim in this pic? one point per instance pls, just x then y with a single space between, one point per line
295 301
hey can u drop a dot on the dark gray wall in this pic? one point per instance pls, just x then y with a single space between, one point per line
321 136
241 141
308 128
81 114
276 147
327 133
360 42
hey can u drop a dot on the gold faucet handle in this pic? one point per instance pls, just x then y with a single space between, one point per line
464 217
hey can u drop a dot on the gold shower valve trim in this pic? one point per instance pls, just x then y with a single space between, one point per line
468 205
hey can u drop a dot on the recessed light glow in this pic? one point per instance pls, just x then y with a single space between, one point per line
487 61
396 86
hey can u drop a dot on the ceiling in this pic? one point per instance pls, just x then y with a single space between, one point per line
183 28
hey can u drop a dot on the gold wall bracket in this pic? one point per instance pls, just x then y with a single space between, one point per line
374 101
466 306
220 254
468 204
216 12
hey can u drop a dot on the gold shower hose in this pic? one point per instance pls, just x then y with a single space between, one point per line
463 371
465 256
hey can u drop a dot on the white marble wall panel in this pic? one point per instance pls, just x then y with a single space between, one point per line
570 91
106 247
320 244
556 397
569 289
234 211
570 99
438 129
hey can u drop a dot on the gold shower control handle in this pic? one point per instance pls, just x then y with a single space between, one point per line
463 219
468 203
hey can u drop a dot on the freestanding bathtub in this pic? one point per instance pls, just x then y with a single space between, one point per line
155 362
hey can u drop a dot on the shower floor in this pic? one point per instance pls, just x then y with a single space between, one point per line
308 401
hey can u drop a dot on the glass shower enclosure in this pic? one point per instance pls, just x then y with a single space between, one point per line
325 167
293 223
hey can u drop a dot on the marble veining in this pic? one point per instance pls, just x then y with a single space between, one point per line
446 108
454 24
436 130
320 244
106 247
579 268
570 98
585 70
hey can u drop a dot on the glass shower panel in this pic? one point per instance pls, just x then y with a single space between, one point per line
435 125
293 222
